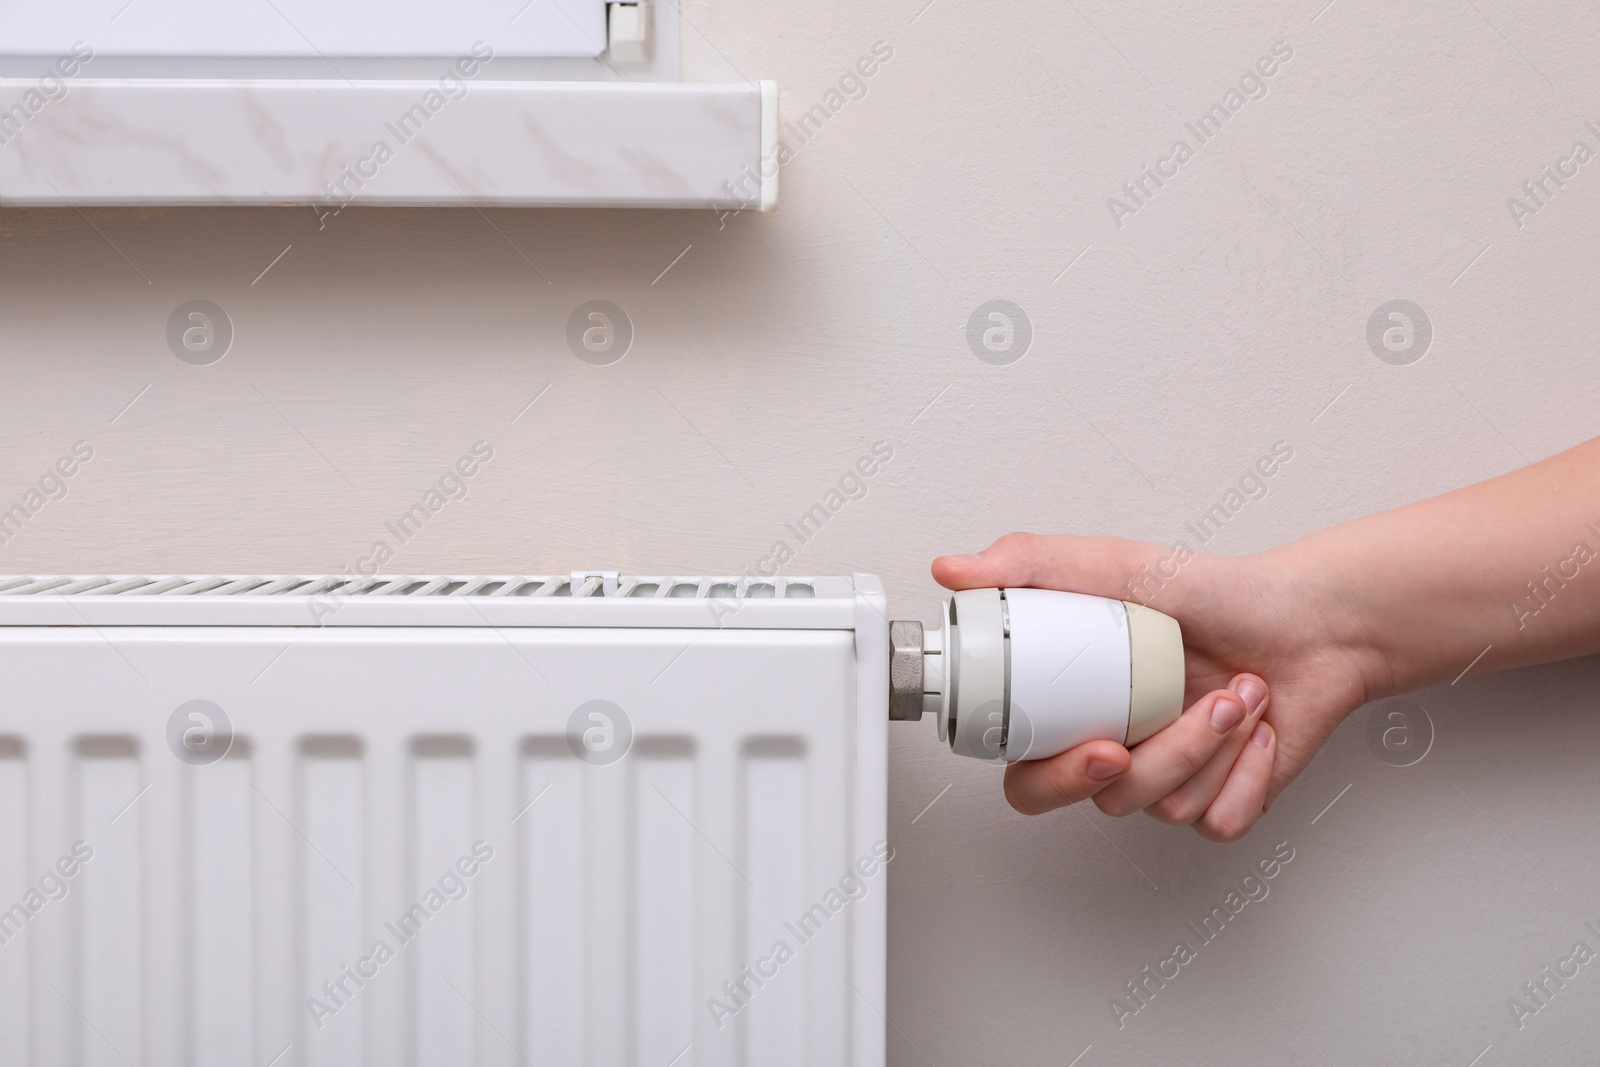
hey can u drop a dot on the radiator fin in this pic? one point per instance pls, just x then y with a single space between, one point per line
442 982
221 869
555 895
773 849
104 986
328 815
339 587
663 978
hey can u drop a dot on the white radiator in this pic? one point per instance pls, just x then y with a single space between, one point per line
450 820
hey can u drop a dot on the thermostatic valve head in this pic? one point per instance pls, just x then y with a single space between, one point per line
1016 674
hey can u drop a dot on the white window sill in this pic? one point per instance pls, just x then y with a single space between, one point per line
334 144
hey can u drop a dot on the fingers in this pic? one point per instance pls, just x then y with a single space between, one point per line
1037 786
1243 797
1176 754
1099 566
1185 804
1211 768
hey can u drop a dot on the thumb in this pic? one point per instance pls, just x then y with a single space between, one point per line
1100 566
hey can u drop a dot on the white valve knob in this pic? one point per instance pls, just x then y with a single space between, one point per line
1018 674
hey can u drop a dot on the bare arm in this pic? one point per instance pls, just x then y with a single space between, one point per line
1281 646
1508 569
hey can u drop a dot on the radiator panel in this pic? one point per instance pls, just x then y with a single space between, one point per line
415 788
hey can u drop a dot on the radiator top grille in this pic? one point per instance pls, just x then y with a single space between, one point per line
579 584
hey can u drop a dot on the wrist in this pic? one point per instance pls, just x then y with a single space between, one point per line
1336 616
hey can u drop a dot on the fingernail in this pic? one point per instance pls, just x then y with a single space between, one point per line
1262 735
1100 769
1252 692
1226 714
962 561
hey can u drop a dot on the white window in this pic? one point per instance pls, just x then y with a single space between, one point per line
331 28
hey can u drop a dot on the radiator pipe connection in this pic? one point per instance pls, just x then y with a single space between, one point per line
1015 674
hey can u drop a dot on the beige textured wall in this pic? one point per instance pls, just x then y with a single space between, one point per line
1168 354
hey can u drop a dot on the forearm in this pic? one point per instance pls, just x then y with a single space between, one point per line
1507 570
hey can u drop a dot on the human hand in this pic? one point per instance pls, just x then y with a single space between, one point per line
1274 662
